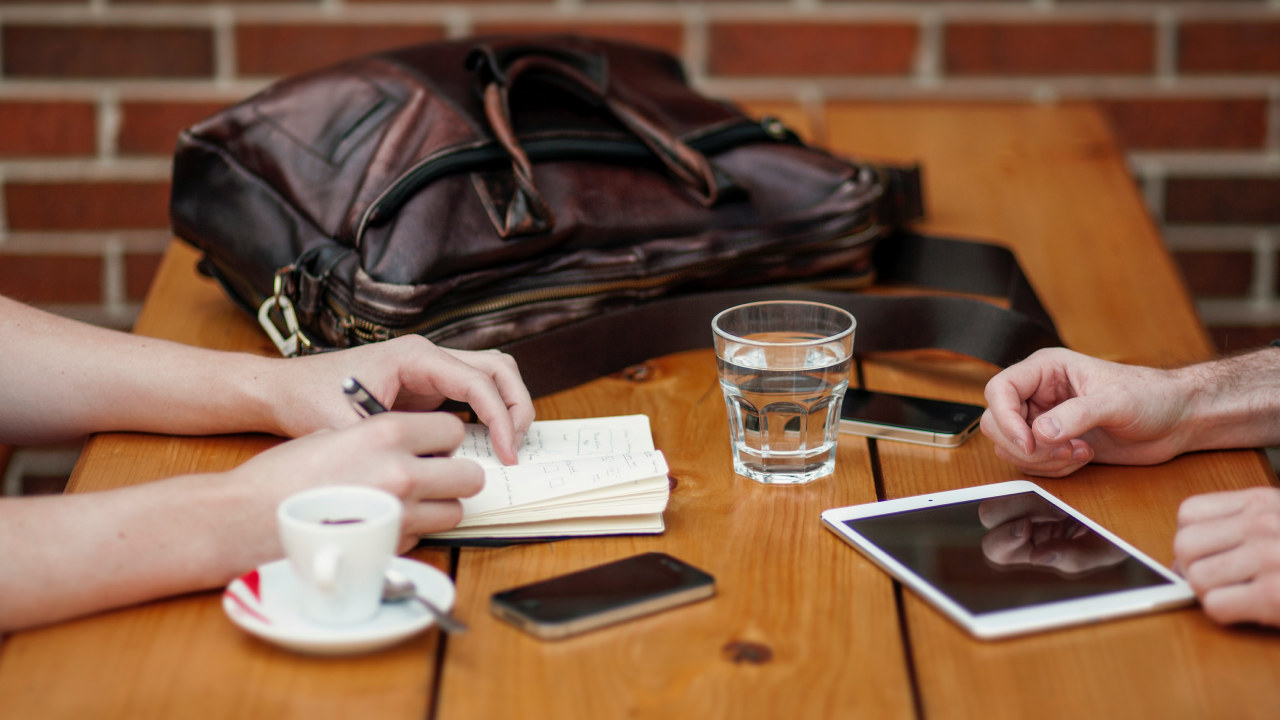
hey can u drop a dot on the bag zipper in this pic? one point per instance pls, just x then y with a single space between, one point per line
491 155
370 331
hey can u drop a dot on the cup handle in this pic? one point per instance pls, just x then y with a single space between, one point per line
324 567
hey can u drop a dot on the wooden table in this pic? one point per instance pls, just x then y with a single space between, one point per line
802 625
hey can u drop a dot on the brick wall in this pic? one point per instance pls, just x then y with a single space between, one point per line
92 93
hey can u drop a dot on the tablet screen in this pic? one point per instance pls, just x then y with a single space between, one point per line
1005 552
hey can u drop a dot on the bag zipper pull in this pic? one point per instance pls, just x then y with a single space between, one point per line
288 346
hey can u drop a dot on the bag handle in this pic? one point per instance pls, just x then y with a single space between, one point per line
500 67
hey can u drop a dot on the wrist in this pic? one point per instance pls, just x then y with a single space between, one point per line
259 387
1232 402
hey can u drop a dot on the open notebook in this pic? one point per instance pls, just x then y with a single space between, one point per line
590 476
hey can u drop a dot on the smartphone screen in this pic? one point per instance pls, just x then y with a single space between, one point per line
939 423
602 595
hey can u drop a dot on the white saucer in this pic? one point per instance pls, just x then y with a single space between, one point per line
263 602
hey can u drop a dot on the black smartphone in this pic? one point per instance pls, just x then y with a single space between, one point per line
938 423
602 595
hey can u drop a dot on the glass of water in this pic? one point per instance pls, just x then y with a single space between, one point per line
784 369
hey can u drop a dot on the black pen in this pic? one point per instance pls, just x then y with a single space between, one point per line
364 402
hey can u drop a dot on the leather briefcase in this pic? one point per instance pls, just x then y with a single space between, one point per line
492 192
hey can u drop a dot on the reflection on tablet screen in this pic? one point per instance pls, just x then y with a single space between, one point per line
1005 552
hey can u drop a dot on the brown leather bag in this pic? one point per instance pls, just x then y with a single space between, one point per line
500 191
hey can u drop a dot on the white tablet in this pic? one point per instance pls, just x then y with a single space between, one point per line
1008 558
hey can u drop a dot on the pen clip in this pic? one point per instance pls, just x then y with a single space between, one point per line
362 400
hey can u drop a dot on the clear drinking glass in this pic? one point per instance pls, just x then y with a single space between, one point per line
784 369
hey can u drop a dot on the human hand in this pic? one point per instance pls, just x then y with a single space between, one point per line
402 453
1028 530
1058 410
1228 547
407 373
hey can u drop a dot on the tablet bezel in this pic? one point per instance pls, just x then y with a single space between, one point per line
1035 618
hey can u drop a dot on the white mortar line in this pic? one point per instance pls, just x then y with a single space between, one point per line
814 104
1210 164
224 47
1246 312
57 170
458 24
108 120
928 61
1153 189
696 43
1213 238
86 243
113 293
1263 289
1166 49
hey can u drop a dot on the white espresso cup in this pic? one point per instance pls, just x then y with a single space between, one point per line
340 541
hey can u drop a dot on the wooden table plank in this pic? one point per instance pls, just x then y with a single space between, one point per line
783 590
1069 210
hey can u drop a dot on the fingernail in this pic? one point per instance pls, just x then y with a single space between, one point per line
1061 453
1049 427
1078 454
1018 529
1049 559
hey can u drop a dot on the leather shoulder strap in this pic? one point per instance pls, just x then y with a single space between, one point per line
591 348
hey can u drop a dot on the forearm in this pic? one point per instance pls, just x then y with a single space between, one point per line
1233 402
62 379
78 554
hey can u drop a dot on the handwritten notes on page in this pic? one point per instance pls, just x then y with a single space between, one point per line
590 476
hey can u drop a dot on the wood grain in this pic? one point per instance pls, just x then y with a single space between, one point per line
800 625
1047 182
792 618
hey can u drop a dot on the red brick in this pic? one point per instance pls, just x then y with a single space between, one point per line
47 128
111 205
51 278
1229 47
1222 200
1118 48
1233 339
139 271
1216 274
289 49
151 128
1185 124
664 36
61 51
811 49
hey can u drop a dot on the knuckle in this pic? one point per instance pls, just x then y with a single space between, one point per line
1215 608
1196 575
448 428
385 430
1182 548
448 512
1263 522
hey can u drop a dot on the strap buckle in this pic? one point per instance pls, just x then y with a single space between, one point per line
290 345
